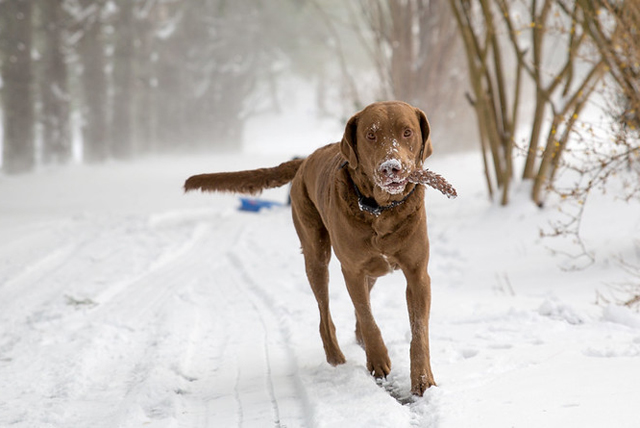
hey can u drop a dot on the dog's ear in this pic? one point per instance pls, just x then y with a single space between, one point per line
348 143
427 147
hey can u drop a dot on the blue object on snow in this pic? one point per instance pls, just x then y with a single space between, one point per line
255 205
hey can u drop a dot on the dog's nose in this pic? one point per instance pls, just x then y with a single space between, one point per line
390 167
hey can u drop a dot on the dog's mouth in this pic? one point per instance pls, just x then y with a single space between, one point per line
392 176
393 185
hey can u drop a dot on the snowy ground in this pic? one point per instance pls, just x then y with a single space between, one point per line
125 303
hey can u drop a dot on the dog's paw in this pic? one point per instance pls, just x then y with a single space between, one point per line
336 358
379 367
421 383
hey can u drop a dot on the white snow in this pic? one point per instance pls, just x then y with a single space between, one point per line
126 303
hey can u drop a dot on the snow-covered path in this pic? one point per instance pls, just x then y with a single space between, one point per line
124 303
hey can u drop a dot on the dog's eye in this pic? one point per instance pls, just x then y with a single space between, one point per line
408 133
371 136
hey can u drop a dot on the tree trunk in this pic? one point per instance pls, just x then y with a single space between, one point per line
94 86
496 118
18 142
169 101
555 145
124 85
57 144
171 92
536 129
144 112
403 55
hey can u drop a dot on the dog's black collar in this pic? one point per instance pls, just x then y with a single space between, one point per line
369 205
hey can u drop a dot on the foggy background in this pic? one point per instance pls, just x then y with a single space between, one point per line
120 79
539 88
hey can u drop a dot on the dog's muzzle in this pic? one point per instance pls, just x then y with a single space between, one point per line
392 176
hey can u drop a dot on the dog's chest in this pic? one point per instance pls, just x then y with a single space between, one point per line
387 236
386 242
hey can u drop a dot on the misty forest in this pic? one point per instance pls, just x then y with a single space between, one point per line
94 80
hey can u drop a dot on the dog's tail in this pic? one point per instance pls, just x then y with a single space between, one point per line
251 182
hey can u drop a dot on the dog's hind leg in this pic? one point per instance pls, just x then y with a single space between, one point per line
316 248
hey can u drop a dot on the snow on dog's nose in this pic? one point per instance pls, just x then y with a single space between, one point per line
391 176
390 168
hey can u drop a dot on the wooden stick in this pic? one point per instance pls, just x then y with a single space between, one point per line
430 178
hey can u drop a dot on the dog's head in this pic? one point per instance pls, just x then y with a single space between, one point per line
387 141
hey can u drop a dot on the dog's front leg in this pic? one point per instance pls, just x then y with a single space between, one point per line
378 362
419 303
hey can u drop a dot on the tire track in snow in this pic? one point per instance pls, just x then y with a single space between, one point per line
148 303
252 379
30 289
266 309
36 271
213 394
114 346
199 397
200 232
26 247
265 379
269 377
34 260
238 398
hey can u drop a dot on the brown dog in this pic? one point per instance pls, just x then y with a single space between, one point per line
356 197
